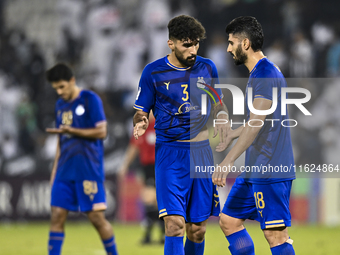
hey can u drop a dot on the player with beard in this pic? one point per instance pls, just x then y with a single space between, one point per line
182 143
261 196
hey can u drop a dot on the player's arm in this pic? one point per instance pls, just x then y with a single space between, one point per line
140 123
246 138
222 126
98 132
130 155
55 163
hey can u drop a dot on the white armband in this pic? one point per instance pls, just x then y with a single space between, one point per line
222 112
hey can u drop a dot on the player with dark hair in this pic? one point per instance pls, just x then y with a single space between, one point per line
261 196
77 176
184 203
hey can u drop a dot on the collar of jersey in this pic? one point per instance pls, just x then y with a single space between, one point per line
257 64
175 67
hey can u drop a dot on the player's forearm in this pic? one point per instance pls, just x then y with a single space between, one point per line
54 170
131 154
249 132
237 132
246 138
138 117
55 163
220 108
92 133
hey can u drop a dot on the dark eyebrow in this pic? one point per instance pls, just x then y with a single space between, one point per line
188 44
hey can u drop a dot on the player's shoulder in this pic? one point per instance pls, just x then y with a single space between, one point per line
89 94
267 69
155 66
207 61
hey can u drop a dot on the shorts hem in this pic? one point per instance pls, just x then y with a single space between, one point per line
66 208
170 213
199 219
284 223
237 216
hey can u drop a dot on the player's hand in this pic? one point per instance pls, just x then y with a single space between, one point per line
219 177
61 130
227 141
224 130
54 130
140 127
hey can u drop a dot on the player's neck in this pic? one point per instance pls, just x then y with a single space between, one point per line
75 93
253 59
174 61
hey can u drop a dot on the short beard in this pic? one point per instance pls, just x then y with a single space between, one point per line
185 62
240 56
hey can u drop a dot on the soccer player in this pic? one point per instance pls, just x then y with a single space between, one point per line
77 176
184 203
145 147
257 195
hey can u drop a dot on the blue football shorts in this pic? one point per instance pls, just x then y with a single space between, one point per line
265 203
77 196
178 193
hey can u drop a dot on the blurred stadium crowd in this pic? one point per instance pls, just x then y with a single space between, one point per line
108 42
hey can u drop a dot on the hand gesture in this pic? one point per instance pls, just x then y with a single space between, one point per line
140 127
227 141
224 130
219 177
53 130
62 129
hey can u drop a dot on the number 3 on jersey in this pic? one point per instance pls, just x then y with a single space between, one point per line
259 200
185 92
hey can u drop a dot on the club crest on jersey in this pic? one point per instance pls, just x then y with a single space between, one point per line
200 83
80 110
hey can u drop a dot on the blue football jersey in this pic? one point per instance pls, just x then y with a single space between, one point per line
273 144
80 158
174 95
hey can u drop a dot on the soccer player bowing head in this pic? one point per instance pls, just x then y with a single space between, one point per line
77 176
258 195
184 202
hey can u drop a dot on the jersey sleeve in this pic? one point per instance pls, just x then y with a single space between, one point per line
145 99
263 87
96 109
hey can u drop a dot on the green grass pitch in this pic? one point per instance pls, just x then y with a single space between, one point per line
81 239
